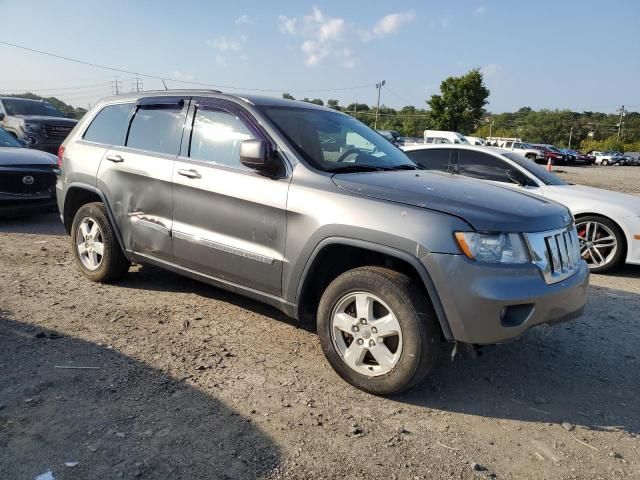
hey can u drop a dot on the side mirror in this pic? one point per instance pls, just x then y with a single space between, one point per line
254 154
1 116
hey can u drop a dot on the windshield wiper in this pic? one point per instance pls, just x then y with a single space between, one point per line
406 166
356 168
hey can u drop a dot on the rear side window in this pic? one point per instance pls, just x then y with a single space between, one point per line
156 129
433 158
110 125
482 166
216 137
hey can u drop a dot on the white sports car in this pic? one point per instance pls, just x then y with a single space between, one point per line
608 222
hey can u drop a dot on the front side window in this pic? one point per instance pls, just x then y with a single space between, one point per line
538 171
156 128
110 125
481 165
331 141
216 137
433 158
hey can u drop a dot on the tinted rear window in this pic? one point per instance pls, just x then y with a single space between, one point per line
156 129
433 158
110 125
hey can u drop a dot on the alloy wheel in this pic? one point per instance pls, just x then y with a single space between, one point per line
366 333
598 243
90 243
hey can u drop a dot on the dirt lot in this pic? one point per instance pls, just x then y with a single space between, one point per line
182 380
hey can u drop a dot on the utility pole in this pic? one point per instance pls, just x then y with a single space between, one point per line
137 84
621 110
379 87
570 135
117 85
491 127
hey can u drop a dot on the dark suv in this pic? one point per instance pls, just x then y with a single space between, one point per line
37 123
311 211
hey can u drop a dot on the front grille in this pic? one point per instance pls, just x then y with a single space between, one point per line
556 253
26 183
56 131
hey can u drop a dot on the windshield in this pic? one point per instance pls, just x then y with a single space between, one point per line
6 140
538 171
333 142
21 106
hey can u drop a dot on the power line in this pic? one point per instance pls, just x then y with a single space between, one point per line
163 78
56 89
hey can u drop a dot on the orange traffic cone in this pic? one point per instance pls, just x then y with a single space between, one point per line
549 167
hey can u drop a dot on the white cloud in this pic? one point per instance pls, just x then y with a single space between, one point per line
481 10
244 20
392 22
314 51
225 44
244 58
178 75
287 25
220 60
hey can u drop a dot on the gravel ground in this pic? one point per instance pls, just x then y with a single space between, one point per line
159 376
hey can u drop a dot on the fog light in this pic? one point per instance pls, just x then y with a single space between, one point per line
31 140
515 315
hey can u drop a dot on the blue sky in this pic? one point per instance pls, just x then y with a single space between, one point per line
582 55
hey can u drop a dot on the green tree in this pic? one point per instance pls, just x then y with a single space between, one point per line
332 103
460 105
287 96
68 110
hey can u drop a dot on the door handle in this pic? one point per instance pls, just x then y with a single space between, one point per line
115 158
191 173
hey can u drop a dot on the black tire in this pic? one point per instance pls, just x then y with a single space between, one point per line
621 251
415 315
605 162
113 264
531 157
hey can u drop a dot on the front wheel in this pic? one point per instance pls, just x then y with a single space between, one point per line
605 162
95 246
602 243
377 330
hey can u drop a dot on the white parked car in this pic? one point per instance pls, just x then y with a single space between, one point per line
474 140
443 136
608 222
607 158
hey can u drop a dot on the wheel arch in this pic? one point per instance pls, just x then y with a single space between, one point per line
79 194
335 255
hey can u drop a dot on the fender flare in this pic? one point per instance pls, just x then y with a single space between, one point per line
103 198
392 252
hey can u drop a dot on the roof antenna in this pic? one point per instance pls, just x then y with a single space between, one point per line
165 85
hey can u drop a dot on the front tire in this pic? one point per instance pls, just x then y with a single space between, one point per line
95 245
377 330
602 243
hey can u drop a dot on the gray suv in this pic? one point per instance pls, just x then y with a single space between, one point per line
309 210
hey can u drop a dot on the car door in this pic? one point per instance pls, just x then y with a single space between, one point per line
136 177
229 221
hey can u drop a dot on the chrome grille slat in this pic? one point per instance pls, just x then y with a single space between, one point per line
556 253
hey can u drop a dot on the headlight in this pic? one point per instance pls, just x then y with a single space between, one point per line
493 247
31 127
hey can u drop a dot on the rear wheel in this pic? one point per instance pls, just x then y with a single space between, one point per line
377 330
602 243
95 246
531 157
605 162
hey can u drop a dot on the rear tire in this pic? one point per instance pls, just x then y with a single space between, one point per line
95 245
357 308
605 162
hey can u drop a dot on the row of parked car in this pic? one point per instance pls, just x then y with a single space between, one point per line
538 152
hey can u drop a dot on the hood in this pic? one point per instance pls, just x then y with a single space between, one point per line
581 198
18 157
484 206
45 119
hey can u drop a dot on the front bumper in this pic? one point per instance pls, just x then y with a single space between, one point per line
487 304
24 206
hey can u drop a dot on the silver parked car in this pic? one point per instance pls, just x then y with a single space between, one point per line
309 210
